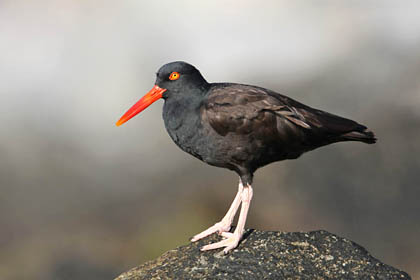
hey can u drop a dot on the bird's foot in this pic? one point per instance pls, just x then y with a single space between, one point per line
230 242
220 227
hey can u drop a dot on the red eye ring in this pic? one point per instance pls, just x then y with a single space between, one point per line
174 76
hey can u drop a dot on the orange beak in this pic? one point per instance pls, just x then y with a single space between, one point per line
154 94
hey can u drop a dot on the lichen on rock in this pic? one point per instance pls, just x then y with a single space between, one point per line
269 255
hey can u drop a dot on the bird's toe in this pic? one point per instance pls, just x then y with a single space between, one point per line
219 227
229 243
226 234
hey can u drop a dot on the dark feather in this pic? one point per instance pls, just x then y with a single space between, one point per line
243 109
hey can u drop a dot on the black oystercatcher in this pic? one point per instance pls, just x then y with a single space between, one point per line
239 127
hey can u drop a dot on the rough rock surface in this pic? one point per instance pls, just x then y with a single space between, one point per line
269 255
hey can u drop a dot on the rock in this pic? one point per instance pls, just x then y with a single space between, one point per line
269 255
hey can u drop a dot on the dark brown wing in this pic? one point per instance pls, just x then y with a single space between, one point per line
242 109
236 109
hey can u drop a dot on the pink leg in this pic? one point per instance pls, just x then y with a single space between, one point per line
232 239
226 222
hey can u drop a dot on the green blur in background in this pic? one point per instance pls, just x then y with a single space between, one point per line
83 199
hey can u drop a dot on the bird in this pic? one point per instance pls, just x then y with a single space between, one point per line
239 127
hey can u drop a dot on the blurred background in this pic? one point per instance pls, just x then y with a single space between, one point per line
83 199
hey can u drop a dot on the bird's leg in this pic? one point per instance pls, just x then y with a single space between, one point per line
226 222
232 239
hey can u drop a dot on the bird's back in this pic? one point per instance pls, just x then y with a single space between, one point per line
266 126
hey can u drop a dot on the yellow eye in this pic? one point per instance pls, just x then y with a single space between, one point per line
174 76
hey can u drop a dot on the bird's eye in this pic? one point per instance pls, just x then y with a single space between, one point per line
174 76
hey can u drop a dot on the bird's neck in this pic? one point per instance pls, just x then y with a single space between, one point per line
182 120
182 109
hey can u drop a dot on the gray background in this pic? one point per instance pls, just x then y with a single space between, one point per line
83 199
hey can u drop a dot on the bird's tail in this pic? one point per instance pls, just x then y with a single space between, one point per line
364 135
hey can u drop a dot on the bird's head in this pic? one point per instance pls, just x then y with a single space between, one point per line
172 79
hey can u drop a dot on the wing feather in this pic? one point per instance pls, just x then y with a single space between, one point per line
242 109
